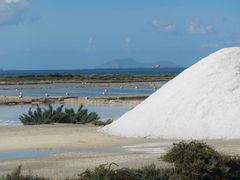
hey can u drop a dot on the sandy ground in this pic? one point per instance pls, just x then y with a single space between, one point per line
130 99
139 151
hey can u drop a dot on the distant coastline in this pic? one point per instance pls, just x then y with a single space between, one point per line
98 71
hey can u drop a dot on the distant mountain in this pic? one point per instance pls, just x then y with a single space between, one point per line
132 63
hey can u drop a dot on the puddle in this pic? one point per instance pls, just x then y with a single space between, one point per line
35 153
149 148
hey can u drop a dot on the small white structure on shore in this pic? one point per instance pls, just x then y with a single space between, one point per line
203 102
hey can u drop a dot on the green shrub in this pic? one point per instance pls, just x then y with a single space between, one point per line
106 172
196 160
58 115
103 123
189 152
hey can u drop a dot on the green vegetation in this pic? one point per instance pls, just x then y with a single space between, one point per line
106 172
17 175
191 161
60 115
93 78
197 160
103 123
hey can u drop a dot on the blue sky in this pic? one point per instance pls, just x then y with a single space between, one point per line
73 34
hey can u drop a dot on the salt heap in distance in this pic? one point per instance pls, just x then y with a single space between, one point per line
203 102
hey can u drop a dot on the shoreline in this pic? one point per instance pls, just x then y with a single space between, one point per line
82 79
129 99
3 83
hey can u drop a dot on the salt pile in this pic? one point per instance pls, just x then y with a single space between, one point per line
203 102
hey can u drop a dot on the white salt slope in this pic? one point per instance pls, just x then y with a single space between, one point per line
203 102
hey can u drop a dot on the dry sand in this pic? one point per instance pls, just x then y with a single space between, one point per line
69 164
129 99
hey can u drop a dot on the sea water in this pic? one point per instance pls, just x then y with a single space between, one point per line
94 71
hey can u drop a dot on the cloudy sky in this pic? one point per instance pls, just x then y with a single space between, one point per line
73 34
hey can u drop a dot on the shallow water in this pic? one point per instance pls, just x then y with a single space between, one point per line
34 153
9 114
80 90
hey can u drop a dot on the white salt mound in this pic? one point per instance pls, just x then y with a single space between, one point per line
203 102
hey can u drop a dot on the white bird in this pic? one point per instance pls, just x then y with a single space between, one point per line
104 93
67 94
121 87
46 94
136 87
20 95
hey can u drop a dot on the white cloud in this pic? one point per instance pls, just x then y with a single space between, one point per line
196 27
12 11
163 26
210 46
90 41
220 44
91 46
127 42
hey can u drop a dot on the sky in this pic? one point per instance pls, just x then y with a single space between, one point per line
76 34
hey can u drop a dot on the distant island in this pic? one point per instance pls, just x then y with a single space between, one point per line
132 63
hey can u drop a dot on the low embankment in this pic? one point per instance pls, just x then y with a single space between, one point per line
132 99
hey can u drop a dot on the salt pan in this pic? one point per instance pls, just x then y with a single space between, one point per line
203 102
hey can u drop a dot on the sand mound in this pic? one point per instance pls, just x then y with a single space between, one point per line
203 102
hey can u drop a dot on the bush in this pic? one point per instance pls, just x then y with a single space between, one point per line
192 161
106 172
196 160
103 123
50 115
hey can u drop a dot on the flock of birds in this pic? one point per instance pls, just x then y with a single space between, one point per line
104 93
46 94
